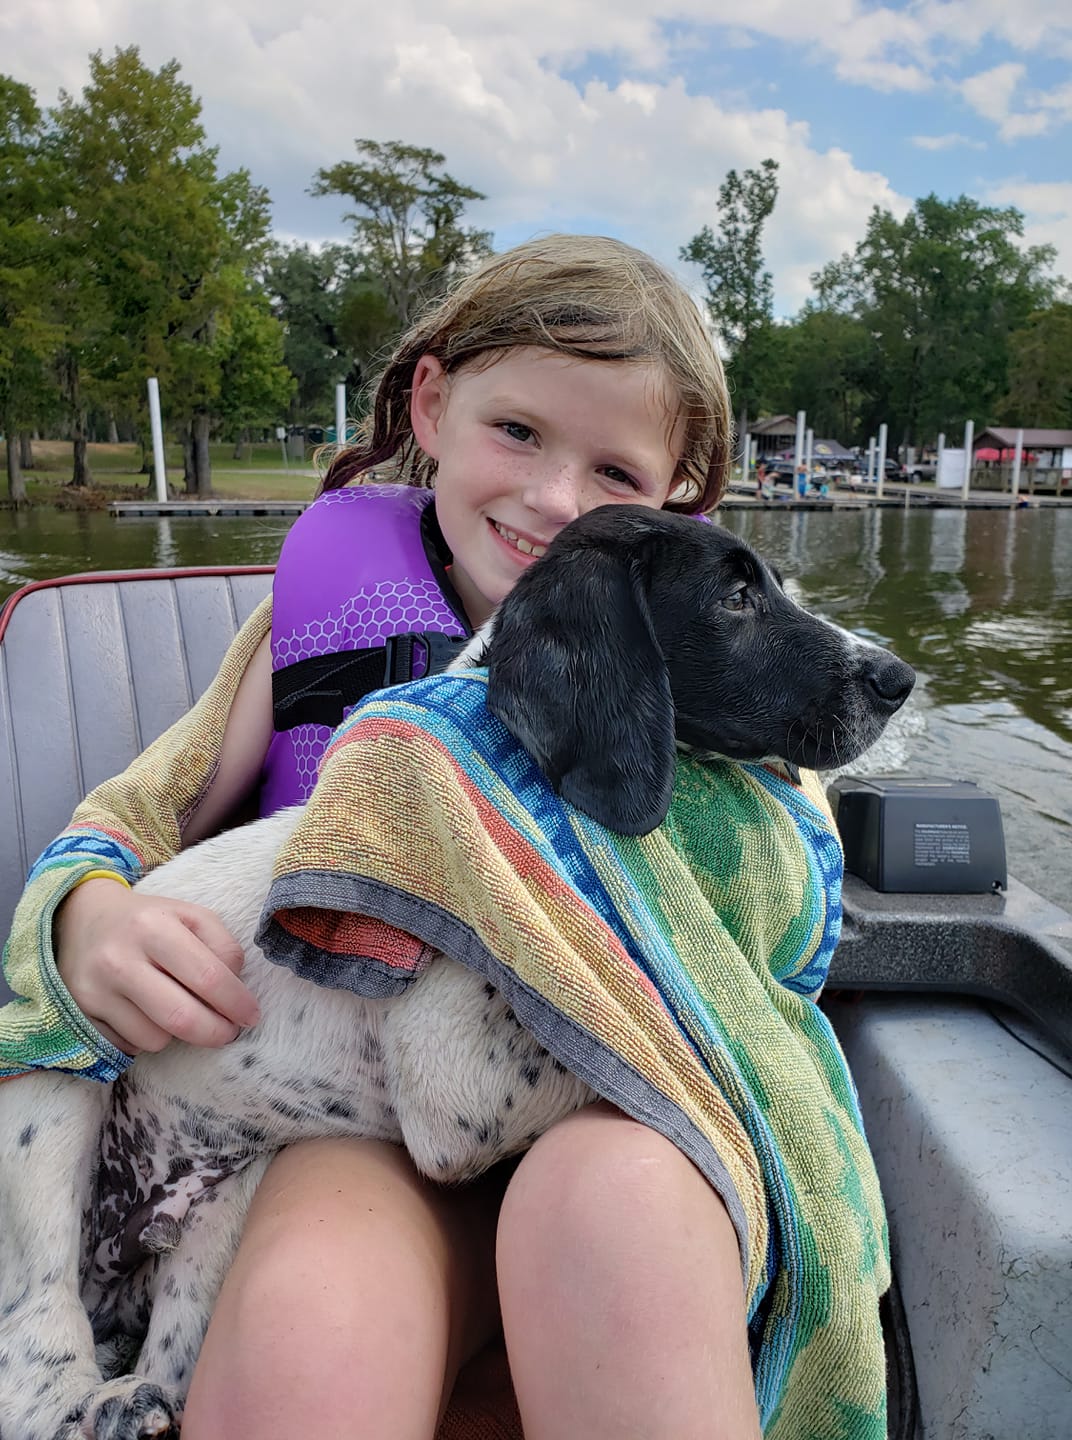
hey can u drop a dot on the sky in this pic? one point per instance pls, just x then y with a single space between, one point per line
620 117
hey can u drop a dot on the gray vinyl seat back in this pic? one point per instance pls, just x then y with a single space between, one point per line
92 669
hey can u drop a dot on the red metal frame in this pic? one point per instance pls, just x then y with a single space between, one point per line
92 577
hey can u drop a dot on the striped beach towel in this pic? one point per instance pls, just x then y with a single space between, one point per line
676 973
126 826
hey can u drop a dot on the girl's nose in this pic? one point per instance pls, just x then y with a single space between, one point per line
556 495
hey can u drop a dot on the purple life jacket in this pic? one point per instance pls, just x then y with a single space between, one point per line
360 600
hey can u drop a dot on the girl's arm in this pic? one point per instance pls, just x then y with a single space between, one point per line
104 970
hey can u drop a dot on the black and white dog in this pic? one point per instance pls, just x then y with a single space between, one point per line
121 1206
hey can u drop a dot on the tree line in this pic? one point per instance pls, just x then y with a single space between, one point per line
125 252
934 319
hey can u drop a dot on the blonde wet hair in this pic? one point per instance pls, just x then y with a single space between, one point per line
587 296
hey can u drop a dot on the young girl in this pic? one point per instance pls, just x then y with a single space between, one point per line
569 373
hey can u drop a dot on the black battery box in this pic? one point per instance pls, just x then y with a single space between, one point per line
920 835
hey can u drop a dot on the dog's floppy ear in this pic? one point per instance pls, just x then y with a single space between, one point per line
576 676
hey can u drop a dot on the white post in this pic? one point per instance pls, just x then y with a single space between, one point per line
158 440
969 441
1017 461
746 458
881 478
809 452
798 449
340 414
938 457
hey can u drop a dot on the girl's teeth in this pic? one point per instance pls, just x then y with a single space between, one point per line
523 545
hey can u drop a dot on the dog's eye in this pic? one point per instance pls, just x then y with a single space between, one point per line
736 599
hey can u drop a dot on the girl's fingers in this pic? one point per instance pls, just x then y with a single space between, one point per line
208 961
130 1030
173 1009
211 931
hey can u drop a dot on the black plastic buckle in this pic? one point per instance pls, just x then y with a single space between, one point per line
401 650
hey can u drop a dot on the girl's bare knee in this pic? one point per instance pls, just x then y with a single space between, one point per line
603 1236
599 1164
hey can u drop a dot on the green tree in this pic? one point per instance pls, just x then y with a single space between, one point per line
406 226
255 383
337 323
823 366
303 285
367 326
1040 370
198 350
939 294
739 289
28 335
154 249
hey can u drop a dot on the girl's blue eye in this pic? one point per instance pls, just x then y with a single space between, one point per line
517 431
619 477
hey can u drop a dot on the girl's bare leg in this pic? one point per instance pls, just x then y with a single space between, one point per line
357 1293
621 1292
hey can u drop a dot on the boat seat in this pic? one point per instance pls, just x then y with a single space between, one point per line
92 669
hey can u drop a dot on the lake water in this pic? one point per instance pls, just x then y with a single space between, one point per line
980 602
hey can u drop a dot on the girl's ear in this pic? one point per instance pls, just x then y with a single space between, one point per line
575 674
427 403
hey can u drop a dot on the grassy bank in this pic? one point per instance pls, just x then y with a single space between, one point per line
116 472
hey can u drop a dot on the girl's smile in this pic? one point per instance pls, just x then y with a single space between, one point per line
530 548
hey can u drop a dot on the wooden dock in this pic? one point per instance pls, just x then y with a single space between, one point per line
737 497
123 509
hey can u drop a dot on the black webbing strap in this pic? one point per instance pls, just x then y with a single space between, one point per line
319 690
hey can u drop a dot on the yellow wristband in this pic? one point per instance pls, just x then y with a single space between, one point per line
99 875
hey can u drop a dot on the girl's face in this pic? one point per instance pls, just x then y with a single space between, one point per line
530 442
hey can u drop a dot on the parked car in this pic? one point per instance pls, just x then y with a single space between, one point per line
921 470
894 468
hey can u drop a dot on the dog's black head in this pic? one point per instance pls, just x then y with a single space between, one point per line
639 629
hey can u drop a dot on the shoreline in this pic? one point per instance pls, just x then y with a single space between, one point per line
737 497
263 491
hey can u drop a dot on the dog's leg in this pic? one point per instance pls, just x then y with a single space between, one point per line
49 1133
469 1085
190 1276
50 1385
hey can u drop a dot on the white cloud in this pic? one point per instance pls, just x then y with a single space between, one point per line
990 93
945 142
1025 125
887 47
1047 208
1058 102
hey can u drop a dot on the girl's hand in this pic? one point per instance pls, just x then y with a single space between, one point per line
145 969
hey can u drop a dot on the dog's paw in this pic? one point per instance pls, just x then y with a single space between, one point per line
127 1409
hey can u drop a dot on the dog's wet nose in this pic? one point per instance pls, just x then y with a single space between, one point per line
890 679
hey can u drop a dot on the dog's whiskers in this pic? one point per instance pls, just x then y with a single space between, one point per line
837 723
